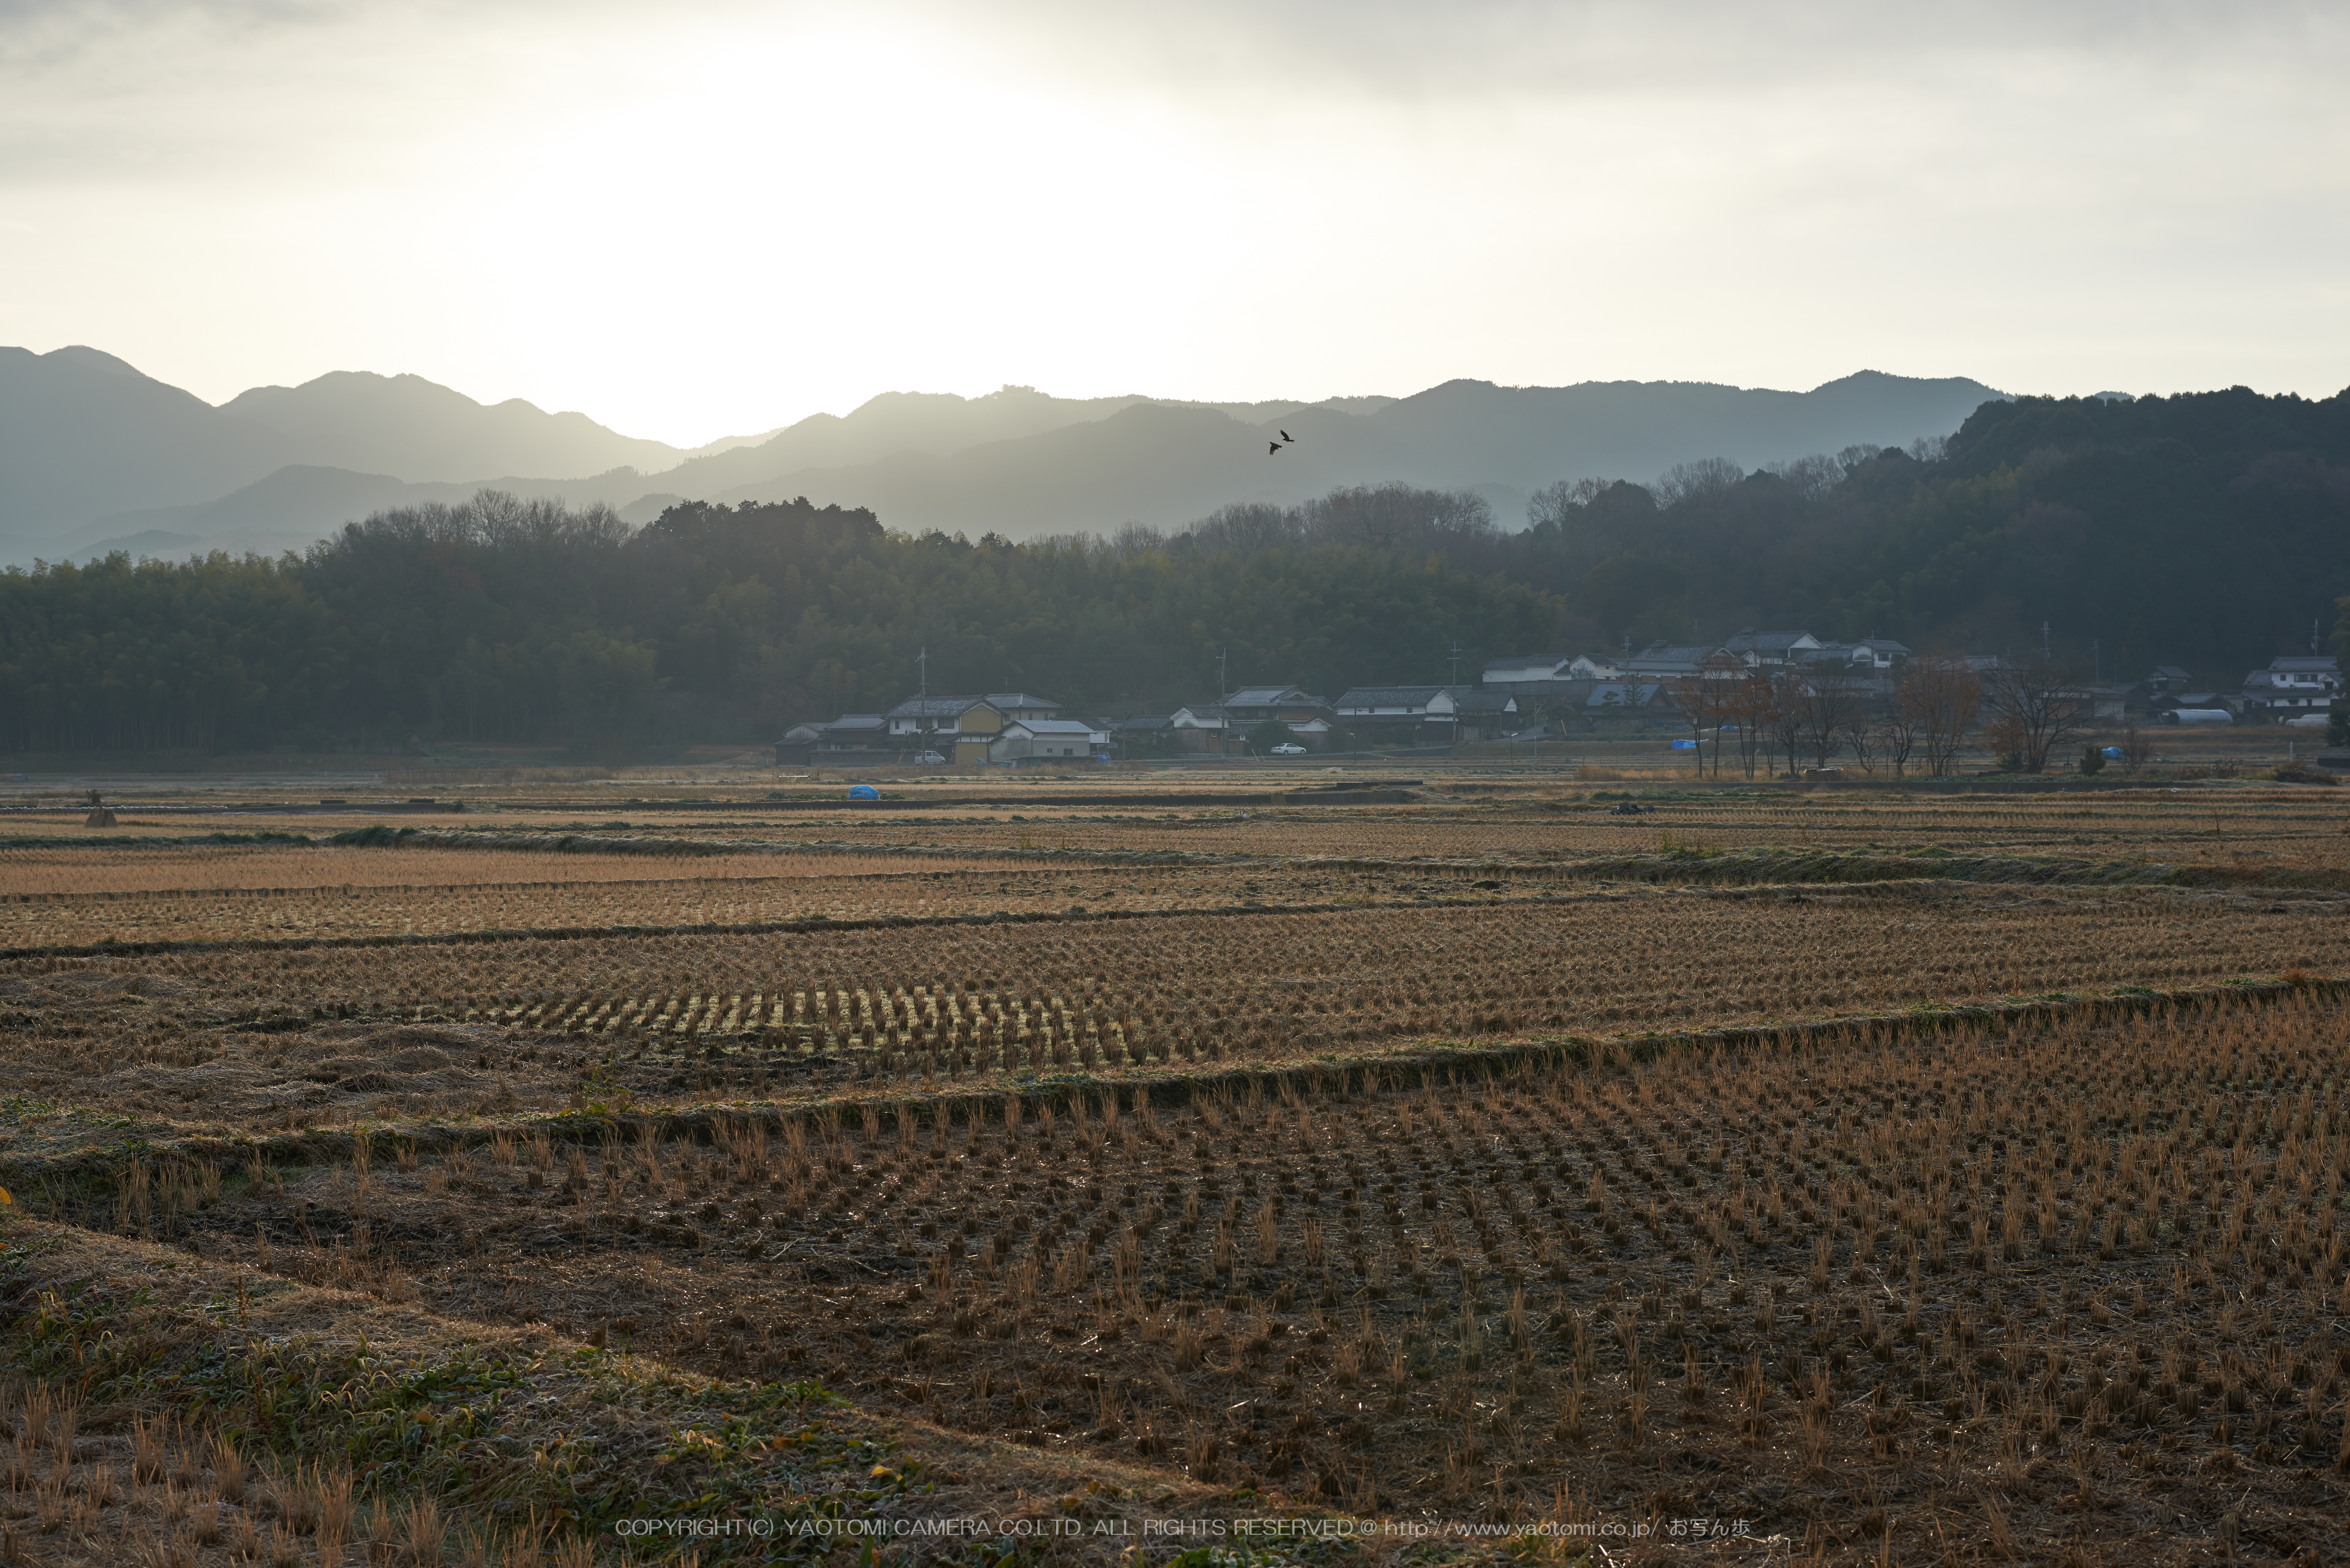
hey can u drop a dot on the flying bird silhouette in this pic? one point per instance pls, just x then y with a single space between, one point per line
1271 448
1287 437
1286 440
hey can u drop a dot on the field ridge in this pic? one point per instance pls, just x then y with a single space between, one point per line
1403 1065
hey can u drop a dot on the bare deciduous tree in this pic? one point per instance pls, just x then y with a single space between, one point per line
1940 696
1556 504
2034 706
1860 739
1831 699
1787 722
1561 514
1707 476
1896 736
1709 701
1754 707
1810 477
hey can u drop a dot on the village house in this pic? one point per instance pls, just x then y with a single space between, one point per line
1548 667
1039 739
1222 728
1870 653
1204 728
958 729
798 744
1430 715
1021 705
1772 649
851 741
2294 687
1666 662
2161 689
1458 714
1144 735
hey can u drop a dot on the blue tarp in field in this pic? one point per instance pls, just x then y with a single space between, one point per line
863 792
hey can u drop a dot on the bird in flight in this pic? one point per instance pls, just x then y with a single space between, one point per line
1286 440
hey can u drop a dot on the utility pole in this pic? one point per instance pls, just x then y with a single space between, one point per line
2043 640
922 663
1223 690
1455 663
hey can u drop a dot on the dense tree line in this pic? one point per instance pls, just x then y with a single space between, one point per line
509 620
2204 530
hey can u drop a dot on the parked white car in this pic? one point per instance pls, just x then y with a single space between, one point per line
1289 749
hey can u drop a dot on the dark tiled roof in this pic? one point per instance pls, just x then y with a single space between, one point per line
1766 642
1388 696
1274 696
935 707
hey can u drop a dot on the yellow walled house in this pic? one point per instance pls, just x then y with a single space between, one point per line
958 730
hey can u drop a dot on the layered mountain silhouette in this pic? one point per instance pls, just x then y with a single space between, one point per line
87 438
95 456
1164 464
413 429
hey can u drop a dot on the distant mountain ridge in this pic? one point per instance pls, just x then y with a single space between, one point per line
86 437
96 456
1164 464
418 430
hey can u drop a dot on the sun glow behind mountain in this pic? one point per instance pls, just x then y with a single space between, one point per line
713 217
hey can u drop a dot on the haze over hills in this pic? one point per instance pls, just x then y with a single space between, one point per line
83 434
413 429
292 509
87 438
95 456
1166 463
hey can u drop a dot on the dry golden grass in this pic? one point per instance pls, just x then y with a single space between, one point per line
2304 827
861 888
1180 1189
152 1490
694 1016
270 871
2093 1268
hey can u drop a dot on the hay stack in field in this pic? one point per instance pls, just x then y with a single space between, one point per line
101 818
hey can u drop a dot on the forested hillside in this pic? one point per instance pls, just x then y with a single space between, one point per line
2206 530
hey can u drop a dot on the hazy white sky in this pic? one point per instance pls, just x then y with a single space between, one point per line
690 219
